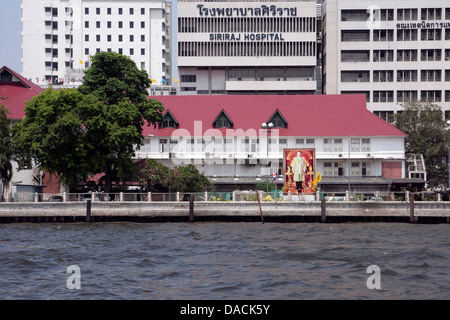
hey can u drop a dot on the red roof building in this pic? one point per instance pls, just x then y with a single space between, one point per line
223 136
17 90
306 115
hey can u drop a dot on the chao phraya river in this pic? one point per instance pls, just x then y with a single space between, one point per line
219 260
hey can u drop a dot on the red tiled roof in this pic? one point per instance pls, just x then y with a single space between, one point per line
17 93
307 115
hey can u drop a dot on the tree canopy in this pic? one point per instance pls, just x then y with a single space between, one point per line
425 126
6 148
75 133
157 177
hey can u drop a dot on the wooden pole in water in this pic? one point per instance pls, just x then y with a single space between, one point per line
191 208
323 211
411 208
88 210
259 203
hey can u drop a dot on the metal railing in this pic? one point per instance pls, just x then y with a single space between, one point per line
237 195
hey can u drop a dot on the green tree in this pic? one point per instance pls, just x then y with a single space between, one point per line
188 179
63 133
115 80
425 126
154 176
6 149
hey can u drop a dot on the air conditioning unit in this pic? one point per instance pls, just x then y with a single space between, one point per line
340 155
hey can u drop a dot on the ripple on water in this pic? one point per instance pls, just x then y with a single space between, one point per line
224 260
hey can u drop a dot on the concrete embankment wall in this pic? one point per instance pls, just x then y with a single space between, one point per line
336 211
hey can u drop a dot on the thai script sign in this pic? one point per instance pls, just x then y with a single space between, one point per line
423 25
243 12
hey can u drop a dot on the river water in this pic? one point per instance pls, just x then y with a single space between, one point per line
224 260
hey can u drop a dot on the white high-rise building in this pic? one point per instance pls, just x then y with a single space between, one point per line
60 36
247 47
391 51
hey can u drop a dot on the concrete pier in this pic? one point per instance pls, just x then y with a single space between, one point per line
313 211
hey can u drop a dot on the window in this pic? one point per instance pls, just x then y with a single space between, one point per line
431 95
131 24
108 38
142 51
222 121
447 99
355 169
109 24
406 75
120 38
86 51
355 76
430 55
131 11
86 37
86 24
383 96
385 115
355 145
188 89
97 24
142 24
333 169
383 55
406 14
365 145
142 37
383 35
430 34
387 14
131 51
310 143
406 55
169 121
108 10
355 35
407 35
278 120
355 55
354 15
383 76
300 143
97 38
97 10
142 11
431 14
406 96
338 146
188 78
251 145
430 75
328 145
120 11
327 169
120 50
163 146
120 24
365 169
86 10
131 38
